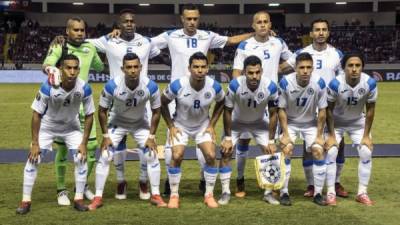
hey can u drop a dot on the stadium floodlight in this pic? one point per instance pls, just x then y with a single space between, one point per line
144 4
340 3
209 5
273 4
78 3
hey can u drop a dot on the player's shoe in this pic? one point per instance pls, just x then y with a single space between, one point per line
121 190
285 200
331 199
88 193
224 200
319 200
96 203
209 200
202 186
24 208
270 199
157 201
167 188
340 191
240 188
364 199
310 191
62 198
144 194
173 202
80 205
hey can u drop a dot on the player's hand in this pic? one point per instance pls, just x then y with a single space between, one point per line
34 153
54 76
320 141
82 150
271 148
58 40
330 142
368 142
226 146
173 134
105 143
114 34
284 140
288 150
151 145
211 131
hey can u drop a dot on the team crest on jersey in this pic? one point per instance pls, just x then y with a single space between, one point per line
38 97
207 95
140 93
77 95
361 91
260 95
310 91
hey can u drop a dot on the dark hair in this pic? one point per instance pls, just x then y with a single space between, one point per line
68 57
123 11
189 7
319 21
130 56
252 61
303 57
347 56
197 56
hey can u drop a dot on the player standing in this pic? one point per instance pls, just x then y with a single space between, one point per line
194 96
55 115
126 97
245 104
348 93
301 96
88 59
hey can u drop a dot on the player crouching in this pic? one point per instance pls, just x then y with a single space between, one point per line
55 115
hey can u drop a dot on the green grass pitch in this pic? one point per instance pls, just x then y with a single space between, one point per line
384 187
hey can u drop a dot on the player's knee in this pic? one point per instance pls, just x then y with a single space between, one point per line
365 153
317 152
332 153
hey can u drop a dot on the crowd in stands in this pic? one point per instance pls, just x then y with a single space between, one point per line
379 44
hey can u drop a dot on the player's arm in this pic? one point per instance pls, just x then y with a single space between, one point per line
35 127
226 144
320 126
273 121
331 140
282 116
165 111
369 118
89 109
236 73
285 68
234 40
155 104
106 99
97 64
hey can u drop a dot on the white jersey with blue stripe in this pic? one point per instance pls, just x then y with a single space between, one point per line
192 107
249 106
270 53
350 101
181 46
127 106
59 108
116 48
326 62
301 103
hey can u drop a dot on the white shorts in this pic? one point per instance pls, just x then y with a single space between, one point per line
139 133
259 131
354 129
308 132
72 139
197 134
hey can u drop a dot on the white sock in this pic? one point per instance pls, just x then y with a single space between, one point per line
225 177
30 174
154 171
143 175
364 168
174 176
339 168
285 188
210 175
201 160
308 171
331 169
119 162
102 171
80 177
241 155
319 171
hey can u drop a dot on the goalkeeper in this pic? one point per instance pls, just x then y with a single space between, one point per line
88 58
